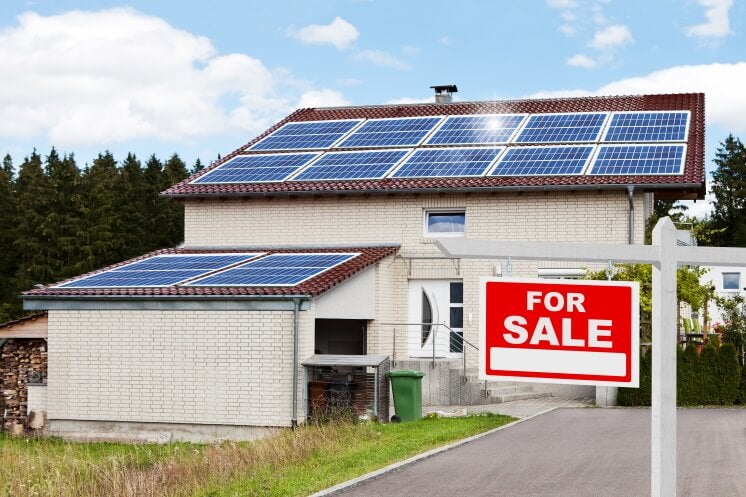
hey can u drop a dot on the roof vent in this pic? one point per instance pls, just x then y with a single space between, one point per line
444 93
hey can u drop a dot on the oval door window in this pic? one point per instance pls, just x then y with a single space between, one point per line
427 317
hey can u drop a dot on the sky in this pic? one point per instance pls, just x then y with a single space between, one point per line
203 78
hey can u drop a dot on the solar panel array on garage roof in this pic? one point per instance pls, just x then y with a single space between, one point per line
306 135
257 168
639 159
403 132
367 164
159 271
476 130
647 127
562 128
276 270
543 160
447 162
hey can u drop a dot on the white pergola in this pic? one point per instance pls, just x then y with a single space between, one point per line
665 256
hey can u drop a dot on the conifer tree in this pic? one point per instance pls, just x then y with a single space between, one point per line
64 213
729 187
174 171
7 225
32 225
197 167
133 206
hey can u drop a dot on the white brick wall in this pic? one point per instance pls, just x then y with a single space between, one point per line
203 367
594 216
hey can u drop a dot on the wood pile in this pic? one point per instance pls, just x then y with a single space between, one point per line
20 358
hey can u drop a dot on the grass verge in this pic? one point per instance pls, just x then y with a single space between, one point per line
288 464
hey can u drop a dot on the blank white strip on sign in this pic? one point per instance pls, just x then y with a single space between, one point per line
558 361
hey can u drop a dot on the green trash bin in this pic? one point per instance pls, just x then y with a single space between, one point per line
406 386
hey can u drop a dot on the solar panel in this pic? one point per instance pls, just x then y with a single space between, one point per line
562 128
543 160
447 162
639 159
476 130
159 270
647 127
260 168
368 164
403 132
276 270
306 135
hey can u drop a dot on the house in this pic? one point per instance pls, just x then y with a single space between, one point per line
317 238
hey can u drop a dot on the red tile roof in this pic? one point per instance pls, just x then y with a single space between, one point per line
691 184
312 287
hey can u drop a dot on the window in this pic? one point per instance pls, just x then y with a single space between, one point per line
731 281
456 317
445 223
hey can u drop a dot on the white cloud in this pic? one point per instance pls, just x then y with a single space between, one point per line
611 36
445 40
322 98
382 59
721 83
107 77
717 24
562 4
567 29
580 60
339 33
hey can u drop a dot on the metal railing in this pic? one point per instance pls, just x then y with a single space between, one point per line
455 341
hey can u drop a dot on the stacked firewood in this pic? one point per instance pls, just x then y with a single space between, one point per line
21 359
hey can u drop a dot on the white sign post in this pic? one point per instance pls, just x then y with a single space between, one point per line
665 256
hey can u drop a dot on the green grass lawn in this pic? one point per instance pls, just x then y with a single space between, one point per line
288 464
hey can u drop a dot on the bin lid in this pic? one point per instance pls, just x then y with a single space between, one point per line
405 373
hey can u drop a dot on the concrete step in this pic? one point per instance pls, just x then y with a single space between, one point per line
499 399
497 391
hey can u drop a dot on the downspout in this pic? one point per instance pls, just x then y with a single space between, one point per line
631 222
296 317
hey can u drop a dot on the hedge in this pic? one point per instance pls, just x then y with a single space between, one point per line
713 377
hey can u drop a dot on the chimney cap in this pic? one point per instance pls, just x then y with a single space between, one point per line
441 89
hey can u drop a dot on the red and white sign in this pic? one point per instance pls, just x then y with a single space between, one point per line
579 332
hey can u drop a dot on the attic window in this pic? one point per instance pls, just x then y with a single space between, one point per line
445 223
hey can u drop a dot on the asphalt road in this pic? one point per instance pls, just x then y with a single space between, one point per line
579 453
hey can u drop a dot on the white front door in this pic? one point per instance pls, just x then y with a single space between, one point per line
433 302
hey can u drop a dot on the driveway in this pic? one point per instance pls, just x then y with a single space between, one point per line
579 453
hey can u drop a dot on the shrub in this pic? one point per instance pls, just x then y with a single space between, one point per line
728 375
742 396
688 378
709 379
638 396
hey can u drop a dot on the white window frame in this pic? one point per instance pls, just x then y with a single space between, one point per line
435 234
563 273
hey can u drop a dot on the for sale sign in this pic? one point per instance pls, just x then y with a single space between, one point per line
560 331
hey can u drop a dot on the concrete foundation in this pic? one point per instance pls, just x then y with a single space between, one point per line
606 396
115 431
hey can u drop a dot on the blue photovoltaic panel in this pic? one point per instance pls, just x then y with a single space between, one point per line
447 162
562 128
257 168
647 127
476 130
306 135
543 161
373 164
639 159
276 270
159 271
390 132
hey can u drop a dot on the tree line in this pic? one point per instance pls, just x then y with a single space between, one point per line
59 220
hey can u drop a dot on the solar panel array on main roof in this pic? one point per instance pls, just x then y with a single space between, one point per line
647 127
276 270
368 164
306 135
403 132
476 130
639 159
543 160
447 162
159 271
257 168
562 128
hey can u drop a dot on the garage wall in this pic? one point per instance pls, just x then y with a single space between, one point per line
197 367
